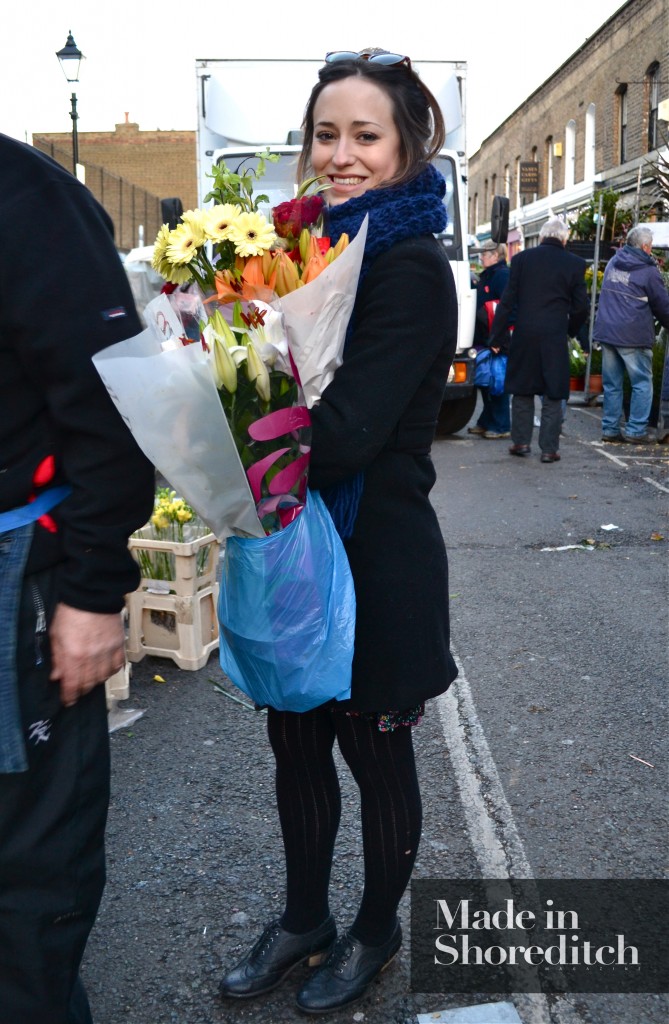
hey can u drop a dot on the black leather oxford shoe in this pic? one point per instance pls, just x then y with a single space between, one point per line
347 973
275 954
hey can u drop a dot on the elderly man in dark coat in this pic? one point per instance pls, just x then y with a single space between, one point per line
547 292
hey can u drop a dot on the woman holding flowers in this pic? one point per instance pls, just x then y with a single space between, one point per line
371 129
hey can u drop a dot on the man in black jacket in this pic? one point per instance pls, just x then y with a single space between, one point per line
547 292
73 487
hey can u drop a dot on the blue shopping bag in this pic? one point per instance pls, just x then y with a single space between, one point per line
287 613
497 373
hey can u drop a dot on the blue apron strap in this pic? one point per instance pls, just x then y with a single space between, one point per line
17 517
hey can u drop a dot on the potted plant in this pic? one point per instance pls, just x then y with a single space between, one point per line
595 381
577 364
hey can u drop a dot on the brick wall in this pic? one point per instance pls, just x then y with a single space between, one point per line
621 51
162 162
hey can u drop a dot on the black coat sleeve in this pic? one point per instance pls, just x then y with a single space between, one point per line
64 295
405 320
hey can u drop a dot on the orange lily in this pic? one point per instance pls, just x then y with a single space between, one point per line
255 277
285 276
313 267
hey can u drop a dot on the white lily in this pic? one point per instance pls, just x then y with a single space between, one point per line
257 371
222 364
270 339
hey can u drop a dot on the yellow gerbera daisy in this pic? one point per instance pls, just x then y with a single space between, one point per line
218 220
195 219
182 244
160 247
174 273
251 234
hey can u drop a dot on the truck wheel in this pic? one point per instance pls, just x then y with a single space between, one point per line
456 414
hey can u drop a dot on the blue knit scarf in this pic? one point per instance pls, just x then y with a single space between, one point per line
403 211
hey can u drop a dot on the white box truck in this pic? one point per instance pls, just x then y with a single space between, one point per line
244 106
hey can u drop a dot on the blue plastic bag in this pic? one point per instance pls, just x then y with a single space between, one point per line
482 370
490 370
497 373
287 613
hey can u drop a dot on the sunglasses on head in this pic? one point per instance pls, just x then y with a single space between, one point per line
387 59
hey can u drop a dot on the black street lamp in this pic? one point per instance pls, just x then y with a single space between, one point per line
70 58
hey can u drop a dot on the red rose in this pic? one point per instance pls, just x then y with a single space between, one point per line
295 214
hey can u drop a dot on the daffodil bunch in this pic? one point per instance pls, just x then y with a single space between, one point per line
173 519
170 513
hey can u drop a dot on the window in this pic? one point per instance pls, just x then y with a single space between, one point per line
493 187
622 123
517 181
485 195
535 195
569 153
548 162
452 235
507 180
589 156
653 86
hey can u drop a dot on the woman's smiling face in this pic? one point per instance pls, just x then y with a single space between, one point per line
356 143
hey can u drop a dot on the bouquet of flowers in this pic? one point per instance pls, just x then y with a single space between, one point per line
272 310
225 418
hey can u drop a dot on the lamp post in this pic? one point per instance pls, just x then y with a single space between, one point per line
70 58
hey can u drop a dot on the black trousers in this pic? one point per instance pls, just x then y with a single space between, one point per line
52 821
522 421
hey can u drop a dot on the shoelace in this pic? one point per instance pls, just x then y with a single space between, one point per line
266 939
341 951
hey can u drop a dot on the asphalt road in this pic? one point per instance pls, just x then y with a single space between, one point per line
547 758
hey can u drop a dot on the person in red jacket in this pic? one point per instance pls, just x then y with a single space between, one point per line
73 487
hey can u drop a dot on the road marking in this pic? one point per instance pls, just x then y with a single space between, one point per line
649 480
587 412
495 838
598 447
638 460
498 847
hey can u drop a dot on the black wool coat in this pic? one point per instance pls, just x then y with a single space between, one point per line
379 415
547 291
64 296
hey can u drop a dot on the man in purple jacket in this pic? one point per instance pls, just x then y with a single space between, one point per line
633 296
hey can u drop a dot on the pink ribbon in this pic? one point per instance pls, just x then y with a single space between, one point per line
281 421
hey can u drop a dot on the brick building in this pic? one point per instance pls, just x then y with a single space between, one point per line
597 123
129 171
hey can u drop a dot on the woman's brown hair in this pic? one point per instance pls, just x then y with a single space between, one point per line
417 115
